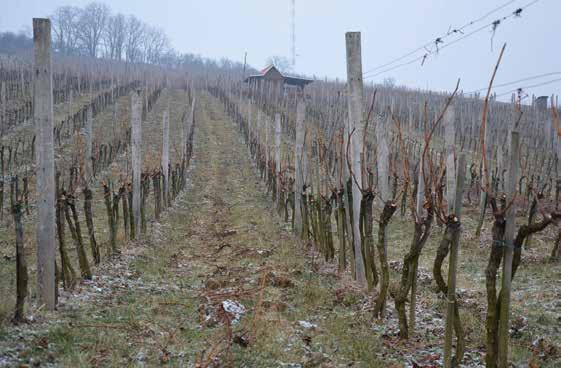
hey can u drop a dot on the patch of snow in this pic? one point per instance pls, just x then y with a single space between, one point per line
307 325
234 308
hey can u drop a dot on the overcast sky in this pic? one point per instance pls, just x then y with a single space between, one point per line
228 28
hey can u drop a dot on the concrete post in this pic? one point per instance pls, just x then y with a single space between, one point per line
299 158
43 121
136 155
355 99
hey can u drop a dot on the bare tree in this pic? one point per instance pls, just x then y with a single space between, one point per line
135 34
65 29
155 43
280 62
114 36
91 26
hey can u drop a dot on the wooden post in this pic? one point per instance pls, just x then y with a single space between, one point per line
266 122
43 120
188 127
258 127
249 125
89 142
456 209
484 182
136 155
186 134
3 111
165 156
115 99
299 158
355 98
278 132
504 313
419 210
382 161
346 177
451 179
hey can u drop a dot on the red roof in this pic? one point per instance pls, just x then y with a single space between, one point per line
288 79
266 70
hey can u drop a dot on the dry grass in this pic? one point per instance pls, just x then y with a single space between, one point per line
218 242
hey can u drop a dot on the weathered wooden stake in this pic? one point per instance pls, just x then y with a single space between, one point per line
382 161
266 122
504 313
21 264
165 156
136 155
3 111
278 132
249 125
419 210
88 132
355 99
455 207
299 157
188 129
43 120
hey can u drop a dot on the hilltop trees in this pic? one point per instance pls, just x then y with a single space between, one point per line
93 31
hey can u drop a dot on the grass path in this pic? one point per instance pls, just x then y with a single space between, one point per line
162 300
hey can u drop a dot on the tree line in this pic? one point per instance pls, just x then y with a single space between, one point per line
95 31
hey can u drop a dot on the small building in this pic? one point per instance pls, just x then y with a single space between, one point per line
541 102
272 74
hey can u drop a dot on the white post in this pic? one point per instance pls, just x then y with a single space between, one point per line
136 155
355 99
43 120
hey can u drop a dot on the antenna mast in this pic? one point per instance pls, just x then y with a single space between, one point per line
293 34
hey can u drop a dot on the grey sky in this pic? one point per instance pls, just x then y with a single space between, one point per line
228 28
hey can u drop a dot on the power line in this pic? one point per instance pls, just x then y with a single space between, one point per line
424 57
494 24
449 33
488 14
514 82
530 86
